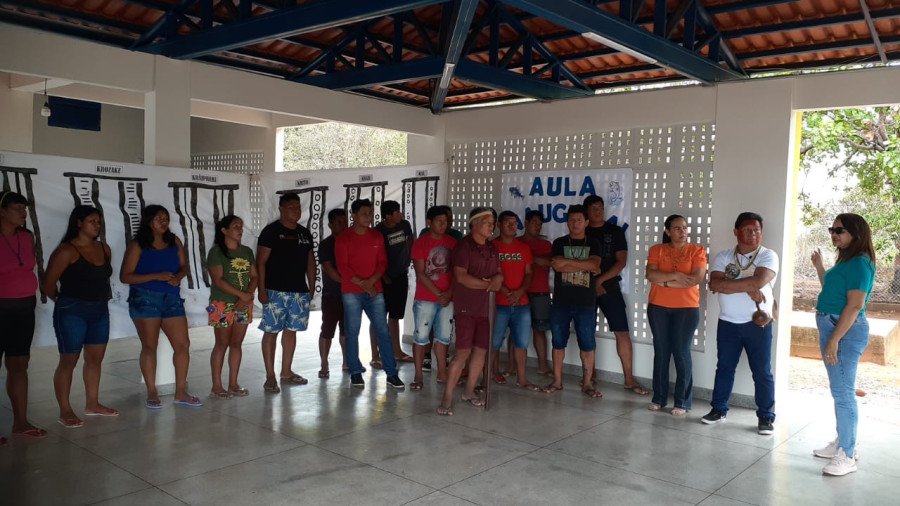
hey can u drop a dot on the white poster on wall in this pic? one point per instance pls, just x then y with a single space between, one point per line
195 200
415 187
552 193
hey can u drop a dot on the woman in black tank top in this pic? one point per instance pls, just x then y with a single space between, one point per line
78 281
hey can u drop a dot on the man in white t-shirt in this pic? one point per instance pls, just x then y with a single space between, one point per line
743 277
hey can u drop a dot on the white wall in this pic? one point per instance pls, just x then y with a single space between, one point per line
211 136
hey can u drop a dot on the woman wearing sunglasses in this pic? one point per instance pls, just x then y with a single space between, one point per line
844 330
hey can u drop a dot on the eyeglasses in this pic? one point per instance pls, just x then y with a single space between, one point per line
836 230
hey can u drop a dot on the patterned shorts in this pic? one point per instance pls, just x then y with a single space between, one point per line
285 311
223 315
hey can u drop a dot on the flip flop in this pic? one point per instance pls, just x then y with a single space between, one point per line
191 402
445 410
70 423
478 402
531 387
294 379
33 433
404 358
415 385
153 404
93 412
376 364
499 379
551 388
224 395
239 392
548 373
637 389
592 393
272 387
324 374
679 411
653 407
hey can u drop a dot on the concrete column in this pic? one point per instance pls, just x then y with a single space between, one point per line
16 118
753 171
167 115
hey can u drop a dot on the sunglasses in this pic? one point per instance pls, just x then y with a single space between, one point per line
836 230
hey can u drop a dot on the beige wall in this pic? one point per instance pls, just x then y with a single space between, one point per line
211 136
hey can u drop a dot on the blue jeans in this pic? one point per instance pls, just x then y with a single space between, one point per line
354 305
842 376
585 318
518 320
80 322
673 334
731 338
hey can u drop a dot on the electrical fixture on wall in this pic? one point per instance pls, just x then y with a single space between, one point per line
45 110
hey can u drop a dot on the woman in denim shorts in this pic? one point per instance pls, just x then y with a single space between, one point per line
232 269
154 265
77 280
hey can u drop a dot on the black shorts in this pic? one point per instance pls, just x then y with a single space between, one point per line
17 316
332 315
395 295
612 304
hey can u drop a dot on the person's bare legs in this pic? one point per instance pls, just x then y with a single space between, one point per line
626 355
453 374
17 390
235 354
217 358
176 330
558 357
148 332
62 385
93 364
288 345
521 357
539 338
324 350
394 329
269 344
476 363
376 357
440 357
418 358
587 368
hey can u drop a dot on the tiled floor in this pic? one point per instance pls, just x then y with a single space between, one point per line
324 443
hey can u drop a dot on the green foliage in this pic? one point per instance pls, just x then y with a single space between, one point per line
340 145
864 143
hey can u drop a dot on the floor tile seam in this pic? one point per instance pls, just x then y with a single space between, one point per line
260 426
115 465
329 438
738 475
548 445
341 455
525 454
138 491
707 436
227 466
655 478
448 419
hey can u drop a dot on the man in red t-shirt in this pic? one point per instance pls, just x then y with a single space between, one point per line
361 259
476 271
539 290
433 308
513 312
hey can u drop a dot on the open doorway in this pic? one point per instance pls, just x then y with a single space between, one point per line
849 162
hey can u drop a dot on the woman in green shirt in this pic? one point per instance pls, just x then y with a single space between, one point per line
232 269
844 330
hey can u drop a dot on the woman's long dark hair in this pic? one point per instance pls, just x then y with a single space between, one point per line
80 213
862 238
144 235
668 224
220 237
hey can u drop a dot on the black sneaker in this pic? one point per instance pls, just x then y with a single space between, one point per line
766 426
394 382
357 381
714 416
426 365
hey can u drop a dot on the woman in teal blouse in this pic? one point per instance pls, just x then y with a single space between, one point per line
844 330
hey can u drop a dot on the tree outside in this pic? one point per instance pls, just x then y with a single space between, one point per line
333 145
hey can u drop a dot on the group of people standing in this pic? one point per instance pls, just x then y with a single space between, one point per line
458 278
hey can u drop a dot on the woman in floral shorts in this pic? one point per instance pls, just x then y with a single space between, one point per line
232 269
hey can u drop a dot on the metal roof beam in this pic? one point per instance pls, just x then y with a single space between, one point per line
581 17
461 21
424 68
873 31
281 23
812 48
511 82
810 23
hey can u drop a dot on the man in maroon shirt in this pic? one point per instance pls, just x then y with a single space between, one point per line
476 271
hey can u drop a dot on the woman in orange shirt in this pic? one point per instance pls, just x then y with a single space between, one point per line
675 270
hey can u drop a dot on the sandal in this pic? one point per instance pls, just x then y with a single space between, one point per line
499 379
551 388
238 391
415 385
679 411
191 402
33 433
153 404
637 389
102 411
653 407
324 374
376 364
223 395
294 379
271 386
71 422
404 358
531 387
445 410
592 393
478 402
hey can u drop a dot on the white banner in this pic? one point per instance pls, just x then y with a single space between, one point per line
195 200
416 188
553 192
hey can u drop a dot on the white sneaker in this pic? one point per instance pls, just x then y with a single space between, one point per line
831 450
840 464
